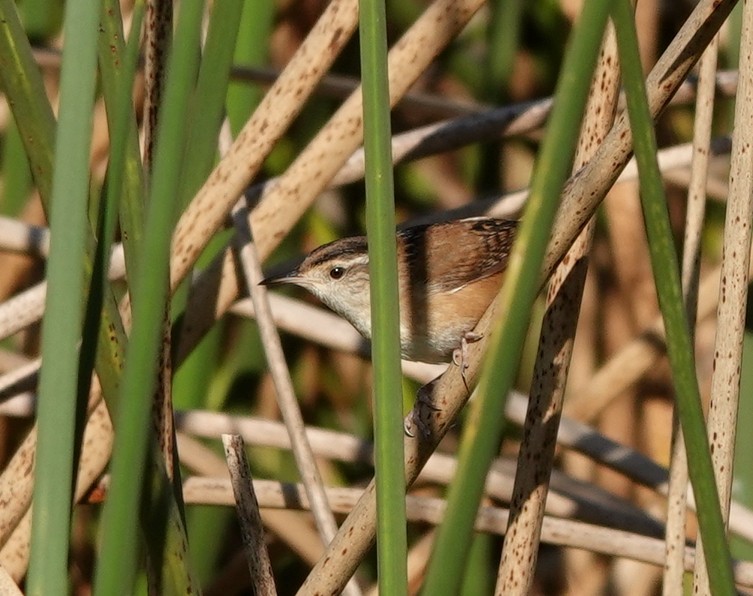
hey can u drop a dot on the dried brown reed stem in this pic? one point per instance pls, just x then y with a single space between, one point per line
691 270
252 530
728 345
557 531
536 454
291 412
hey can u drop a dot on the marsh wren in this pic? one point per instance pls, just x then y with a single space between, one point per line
448 274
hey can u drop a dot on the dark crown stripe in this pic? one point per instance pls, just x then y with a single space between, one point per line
339 248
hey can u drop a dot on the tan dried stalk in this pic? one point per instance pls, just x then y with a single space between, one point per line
157 34
635 358
249 517
16 524
554 530
439 468
291 527
536 454
728 345
691 259
291 412
7 585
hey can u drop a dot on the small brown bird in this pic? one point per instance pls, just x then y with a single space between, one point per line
448 275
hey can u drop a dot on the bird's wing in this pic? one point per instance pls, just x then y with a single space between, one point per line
477 249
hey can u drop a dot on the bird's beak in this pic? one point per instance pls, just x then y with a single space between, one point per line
292 277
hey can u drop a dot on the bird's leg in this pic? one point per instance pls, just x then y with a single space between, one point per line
423 399
460 355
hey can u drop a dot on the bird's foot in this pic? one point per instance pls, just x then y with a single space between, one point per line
414 418
460 355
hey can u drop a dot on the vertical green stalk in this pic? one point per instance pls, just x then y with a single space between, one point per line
117 568
106 223
117 167
503 38
255 29
380 213
485 424
209 97
667 279
21 80
41 18
113 64
743 485
15 172
61 326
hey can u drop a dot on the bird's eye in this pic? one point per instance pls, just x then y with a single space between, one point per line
337 272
